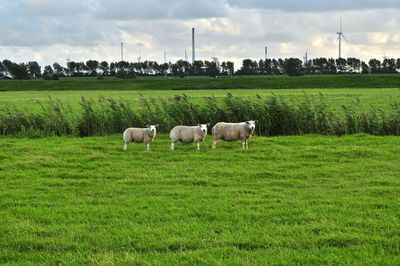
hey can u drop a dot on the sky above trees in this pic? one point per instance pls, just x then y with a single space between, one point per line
50 31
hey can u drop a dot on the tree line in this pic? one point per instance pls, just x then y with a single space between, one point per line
182 68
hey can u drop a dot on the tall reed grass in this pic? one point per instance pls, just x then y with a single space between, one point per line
310 115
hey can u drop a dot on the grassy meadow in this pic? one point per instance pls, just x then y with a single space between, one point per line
207 83
379 98
287 200
370 91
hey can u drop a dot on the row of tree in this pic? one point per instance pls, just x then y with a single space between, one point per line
124 69
294 66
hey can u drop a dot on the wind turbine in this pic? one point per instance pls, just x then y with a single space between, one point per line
341 35
384 54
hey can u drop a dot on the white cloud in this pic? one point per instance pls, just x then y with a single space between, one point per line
287 48
378 38
315 5
217 26
159 9
319 41
50 31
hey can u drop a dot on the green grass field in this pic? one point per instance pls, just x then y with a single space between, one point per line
198 83
375 91
299 200
379 98
287 200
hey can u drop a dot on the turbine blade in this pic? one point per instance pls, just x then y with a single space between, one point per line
341 24
344 38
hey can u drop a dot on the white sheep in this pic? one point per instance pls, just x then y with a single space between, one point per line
145 135
188 134
233 131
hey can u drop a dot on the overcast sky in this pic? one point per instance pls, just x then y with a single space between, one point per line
51 31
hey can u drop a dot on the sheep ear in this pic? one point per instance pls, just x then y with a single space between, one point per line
147 125
157 125
247 122
208 124
199 125
255 121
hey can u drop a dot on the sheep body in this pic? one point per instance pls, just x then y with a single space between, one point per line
144 135
233 131
188 134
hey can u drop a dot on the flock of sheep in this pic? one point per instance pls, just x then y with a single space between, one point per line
193 134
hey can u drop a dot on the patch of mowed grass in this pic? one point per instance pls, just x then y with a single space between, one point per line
286 200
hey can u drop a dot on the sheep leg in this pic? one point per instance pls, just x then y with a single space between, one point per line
244 144
125 146
172 146
247 144
198 146
214 144
148 146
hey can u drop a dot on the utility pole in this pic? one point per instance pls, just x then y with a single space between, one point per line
266 53
193 47
122 51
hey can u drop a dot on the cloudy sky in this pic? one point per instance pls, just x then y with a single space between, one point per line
51 31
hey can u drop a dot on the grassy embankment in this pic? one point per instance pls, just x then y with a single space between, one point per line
205 83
